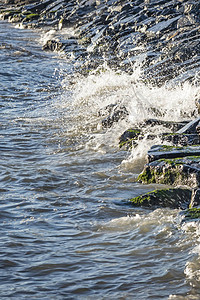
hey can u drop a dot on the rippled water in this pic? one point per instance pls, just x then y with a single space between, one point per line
66 232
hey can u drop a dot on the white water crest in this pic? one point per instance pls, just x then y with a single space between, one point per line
104 86
159 221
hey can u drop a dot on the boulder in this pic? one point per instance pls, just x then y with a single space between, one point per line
113 113
176 171
129 137
173 126
183 139
172 198
168 152
190 127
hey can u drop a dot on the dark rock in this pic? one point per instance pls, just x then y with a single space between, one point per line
129 137
20 2
191 214
190 127
116 112
168 152
107 110
180 139
174 126
39 6
59 45
172 198
5 15
168 32
53 45
176 171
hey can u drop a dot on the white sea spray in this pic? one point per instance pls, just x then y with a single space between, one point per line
104 86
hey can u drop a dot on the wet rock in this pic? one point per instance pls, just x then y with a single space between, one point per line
114 113
172 198
176 165
5 15
190 127
176 171
105 111
174 126
53 45
59 45
129 138
180 139
191 214
39 6
168 152
123 32
19 2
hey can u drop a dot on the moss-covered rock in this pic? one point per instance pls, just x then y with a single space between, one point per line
176 171
172 198
192 213
31 16
168 152
129 137
9 13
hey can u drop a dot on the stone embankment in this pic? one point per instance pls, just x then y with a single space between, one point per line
163 34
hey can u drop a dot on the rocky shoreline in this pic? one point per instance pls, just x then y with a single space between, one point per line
163 35
176 165
168 34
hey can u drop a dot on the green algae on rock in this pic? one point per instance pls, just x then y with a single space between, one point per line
172 198
177 171
168 152
129 138
192 213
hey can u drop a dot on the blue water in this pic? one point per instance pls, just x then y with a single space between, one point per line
66 231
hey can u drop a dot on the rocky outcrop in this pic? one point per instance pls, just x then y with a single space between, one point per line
178 171
112 113
132 136
164 35
175 166
172 198
166 152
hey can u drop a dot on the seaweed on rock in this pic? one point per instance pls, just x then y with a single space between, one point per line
171 197
176 171
191 214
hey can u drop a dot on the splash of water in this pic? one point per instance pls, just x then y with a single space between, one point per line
103 87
